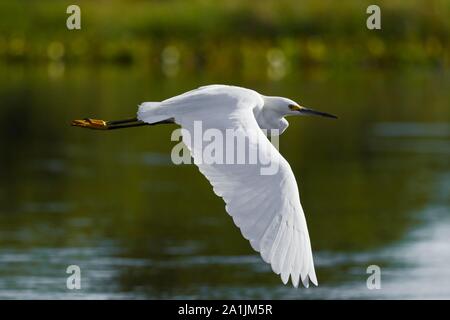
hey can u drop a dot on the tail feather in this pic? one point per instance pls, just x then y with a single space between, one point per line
152 112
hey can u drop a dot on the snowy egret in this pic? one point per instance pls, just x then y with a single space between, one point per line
266 208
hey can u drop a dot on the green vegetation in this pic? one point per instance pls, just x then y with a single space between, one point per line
211 34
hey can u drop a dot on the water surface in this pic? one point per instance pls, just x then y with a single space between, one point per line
374 186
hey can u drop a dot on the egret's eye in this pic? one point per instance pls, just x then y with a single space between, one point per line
294 107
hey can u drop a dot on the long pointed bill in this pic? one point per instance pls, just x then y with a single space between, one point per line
111 125
307 111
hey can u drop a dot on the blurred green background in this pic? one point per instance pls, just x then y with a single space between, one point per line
374 185
227 34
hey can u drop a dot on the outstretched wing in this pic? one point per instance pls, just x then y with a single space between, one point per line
261 196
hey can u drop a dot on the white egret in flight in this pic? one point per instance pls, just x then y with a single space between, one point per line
266 208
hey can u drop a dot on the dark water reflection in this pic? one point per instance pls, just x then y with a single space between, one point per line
374 186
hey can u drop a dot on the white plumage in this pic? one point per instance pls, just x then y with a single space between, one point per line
266 208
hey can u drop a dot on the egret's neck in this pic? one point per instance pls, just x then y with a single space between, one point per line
269 117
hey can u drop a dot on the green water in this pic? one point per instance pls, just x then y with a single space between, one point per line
374 185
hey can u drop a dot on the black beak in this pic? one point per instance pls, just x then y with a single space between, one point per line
307 111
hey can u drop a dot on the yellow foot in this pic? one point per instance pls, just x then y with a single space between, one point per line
91 124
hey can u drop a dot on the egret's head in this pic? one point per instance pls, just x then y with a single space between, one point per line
287 107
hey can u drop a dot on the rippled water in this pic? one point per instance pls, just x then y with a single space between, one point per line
375 187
